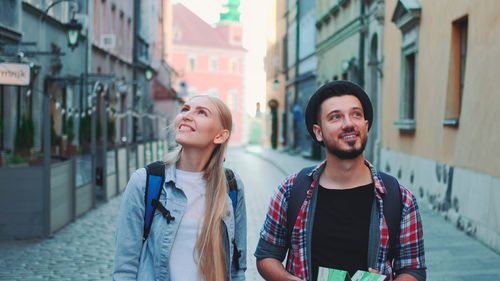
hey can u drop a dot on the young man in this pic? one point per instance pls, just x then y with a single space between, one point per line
341 223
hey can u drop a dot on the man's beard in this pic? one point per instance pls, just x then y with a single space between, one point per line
346 154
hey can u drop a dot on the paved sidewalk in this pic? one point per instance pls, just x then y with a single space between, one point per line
451 255
82 250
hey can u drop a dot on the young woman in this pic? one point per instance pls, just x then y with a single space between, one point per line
199 243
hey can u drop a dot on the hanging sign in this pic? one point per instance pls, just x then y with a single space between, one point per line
14 74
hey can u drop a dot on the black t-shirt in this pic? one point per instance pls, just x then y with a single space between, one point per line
341 227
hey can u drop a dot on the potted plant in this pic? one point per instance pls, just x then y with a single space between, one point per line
25 136
85 133
111 133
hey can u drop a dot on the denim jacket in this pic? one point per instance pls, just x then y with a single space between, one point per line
150 261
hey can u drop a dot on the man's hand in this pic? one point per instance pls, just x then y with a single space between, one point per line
401 277
273 270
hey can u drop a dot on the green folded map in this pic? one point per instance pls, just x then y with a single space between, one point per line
330 274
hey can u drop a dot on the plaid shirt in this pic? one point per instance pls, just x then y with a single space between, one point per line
411 242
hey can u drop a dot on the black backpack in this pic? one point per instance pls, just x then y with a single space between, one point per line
154 182
392 204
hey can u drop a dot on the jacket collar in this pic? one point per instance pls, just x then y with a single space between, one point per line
170 173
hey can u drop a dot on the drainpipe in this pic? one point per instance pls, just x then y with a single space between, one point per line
46 159
362 46
297 50
296 128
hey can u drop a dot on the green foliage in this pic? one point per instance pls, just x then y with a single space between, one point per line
14 159
255 132
54 138
70 129
85 129
111 131
25 137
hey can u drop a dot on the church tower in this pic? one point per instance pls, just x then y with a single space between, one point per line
229 24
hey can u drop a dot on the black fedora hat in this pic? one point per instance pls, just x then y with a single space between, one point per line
333 89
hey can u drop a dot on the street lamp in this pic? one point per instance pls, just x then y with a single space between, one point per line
73 29
149 74
276 84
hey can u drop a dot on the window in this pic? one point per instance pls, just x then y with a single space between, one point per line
234 66
456 72
213 64
462 27
192 91
409 88
232 99
213 92
192 63
407 18
276 61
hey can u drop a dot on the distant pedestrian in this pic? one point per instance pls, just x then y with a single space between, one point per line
203 234
344 217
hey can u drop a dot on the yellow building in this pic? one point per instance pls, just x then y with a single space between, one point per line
275 65
440 135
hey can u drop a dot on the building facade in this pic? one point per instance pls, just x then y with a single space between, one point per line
162 92
112 58
439 131
34 34
349 34
301 64
209 60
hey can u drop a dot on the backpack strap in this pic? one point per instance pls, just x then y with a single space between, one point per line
298 193
233 194
155 177
233 187
391 201
392 210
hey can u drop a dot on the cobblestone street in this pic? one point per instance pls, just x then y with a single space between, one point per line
84 249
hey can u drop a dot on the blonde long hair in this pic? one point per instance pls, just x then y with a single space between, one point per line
212 263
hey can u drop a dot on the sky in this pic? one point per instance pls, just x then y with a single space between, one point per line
253 18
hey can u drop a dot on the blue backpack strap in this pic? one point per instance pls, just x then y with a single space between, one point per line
233 187
155 177
298 193
392 210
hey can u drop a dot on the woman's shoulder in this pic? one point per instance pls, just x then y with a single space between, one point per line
137 180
